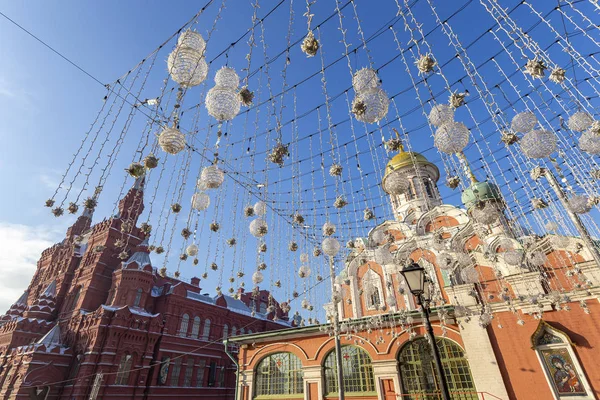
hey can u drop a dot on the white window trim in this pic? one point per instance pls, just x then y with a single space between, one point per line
372 277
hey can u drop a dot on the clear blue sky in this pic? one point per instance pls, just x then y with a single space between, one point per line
46 105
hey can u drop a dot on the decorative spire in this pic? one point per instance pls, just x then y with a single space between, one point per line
467 167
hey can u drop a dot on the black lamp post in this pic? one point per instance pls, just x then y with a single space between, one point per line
418 285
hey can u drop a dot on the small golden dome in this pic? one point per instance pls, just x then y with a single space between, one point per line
405 159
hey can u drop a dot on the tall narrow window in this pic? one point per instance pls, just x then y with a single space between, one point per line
183 328
123 371
233 331
371 283
357 371
75 298
138 298
417 370
189 369
279 374
560 363
212 372
242 331
225 331
200 373
196 327
206 330
222 377
175 372
428 187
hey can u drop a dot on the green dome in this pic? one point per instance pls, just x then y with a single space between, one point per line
480 191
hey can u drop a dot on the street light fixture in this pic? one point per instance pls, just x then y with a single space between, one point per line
419 286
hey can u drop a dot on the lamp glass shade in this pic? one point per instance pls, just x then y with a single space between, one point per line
414 275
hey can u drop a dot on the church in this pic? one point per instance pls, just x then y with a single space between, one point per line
95 325
502 331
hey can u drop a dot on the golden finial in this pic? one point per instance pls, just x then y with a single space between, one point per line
400 145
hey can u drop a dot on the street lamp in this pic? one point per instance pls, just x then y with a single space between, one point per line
418 285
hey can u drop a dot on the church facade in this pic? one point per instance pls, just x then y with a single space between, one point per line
516 316
94 324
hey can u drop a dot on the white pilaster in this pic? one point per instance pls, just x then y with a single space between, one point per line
387 369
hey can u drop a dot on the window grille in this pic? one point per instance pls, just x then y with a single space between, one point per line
175 373
200 373
418 373
123 371
357 371
279 374
183 328
196 327
206 330
189 369
225 331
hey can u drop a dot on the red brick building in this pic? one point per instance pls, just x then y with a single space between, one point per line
93 326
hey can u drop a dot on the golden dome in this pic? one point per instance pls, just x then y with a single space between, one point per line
405 159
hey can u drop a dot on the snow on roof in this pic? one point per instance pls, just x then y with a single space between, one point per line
200 297
52 338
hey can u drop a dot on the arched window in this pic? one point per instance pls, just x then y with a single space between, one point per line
372 290
225 331
196 327
279 374
233 331
428 187
206 330
138 298
124 368
357 371
183 328
418 374
242 331
560 363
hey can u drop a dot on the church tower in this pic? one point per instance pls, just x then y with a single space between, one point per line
411 181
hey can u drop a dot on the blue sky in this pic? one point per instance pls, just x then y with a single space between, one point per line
47 105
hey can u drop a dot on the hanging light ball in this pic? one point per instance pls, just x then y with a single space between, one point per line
193 40
464 260
487 214
328 229
376 104
223 103
191 250
260 208
304 271
506 244
171 140
538 144
378 237
258 227
441 114
445 261
580 204
451 137
227 77
390 300
200 201
364 79
330 246
257 277
383 256
537 258
513 257
523 122
589 142
580 121
396 183
187 66
551 226
212 177
469 275
560 241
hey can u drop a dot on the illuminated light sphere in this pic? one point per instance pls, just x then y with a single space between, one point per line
304 257
513 257
464 259
193 40
260 208
364 79
469 275
451 137
212 177
445 261
200 201
259 227
485 319
488 214
383 256
328 229
506 244
223 103
191 250
441 114
537 258
524 122
330 246
257 277
378 237
590 142
580 204
228 78
580 121
336 297
551 226
171 140
201 185
187 66
304 303
538 144
560 241
304 271
376 104
390 300
396 183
